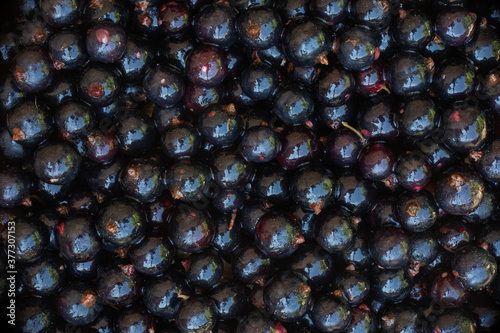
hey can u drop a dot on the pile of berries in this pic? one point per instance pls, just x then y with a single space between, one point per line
250 166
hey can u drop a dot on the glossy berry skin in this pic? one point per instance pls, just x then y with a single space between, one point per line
363 319
206 66
144 18
153 256
99 85
106 42
204 269
259 82
220 125
249 215
60 13
374 15
390 248
197 314
121 221
51 192
68 51
177 51
357 48
215 24
424 249
343 147
376 161
314 264
44 277
334 230
454 234
74 120
329 314
57 163
484 311
459 190
482 50
413 30
78 303
259 28
406 317
260 144
354 192
306 41
455 26
180 141
163 85
271 184
418 117
77 238
313 188
85 269
230 169
383 213
287 297
187 180
231 299
445 288
331 11
465 128
453 319
228 201
35 314
474 267
378 120
63 89
15 187
251 265
10 149
334 87
227 237
174 18
413 171
135 131
299 145
164 117
161 294
407 74
416 212
488 209
101 147
142 180
118 284
488 165
191 230
353 285
133 319
257 321
454 80
32 70
390 285
277 235
115 11
197 98
370 81
10 95
29 123
293 104
136 60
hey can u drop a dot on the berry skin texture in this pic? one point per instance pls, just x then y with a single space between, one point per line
474 267
106 42
459 191
32 70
